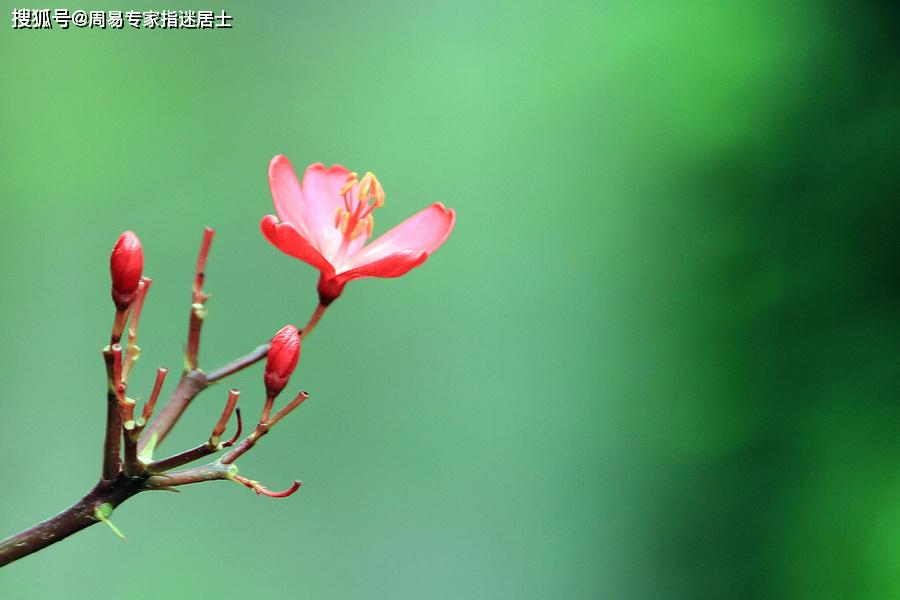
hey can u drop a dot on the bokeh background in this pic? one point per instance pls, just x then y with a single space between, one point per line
657 359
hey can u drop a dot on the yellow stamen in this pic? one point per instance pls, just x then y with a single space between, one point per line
350 182
364 185
354 217
379 193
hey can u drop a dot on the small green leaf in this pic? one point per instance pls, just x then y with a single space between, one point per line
102 513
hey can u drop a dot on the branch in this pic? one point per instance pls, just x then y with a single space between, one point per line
141 437
211 472
224 468
211 446
80 515
261 489
112 463
161 373
260 352
238 364
182 458
198 298
191 384
195 381
132 350
262 429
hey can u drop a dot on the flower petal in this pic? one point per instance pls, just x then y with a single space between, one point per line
287 196
392 265
321 188
289 240
405 246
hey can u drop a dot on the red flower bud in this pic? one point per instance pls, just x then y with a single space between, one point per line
126 265
284 351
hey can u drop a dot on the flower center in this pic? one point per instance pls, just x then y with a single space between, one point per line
355 216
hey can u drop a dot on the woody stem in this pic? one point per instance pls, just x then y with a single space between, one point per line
80 515
112 462
238 364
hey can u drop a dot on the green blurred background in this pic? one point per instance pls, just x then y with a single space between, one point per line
658 357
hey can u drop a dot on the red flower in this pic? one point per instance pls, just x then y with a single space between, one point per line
327 218
281 360
125 266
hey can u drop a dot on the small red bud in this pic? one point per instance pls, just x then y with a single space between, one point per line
126 265
284 351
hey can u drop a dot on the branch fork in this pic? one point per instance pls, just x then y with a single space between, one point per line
128 467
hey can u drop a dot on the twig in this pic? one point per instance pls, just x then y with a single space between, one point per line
262 429
198 298
209 472
212 445
112 463
222 423
191 384
182 458
261 489
236 365
132 351
151 401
